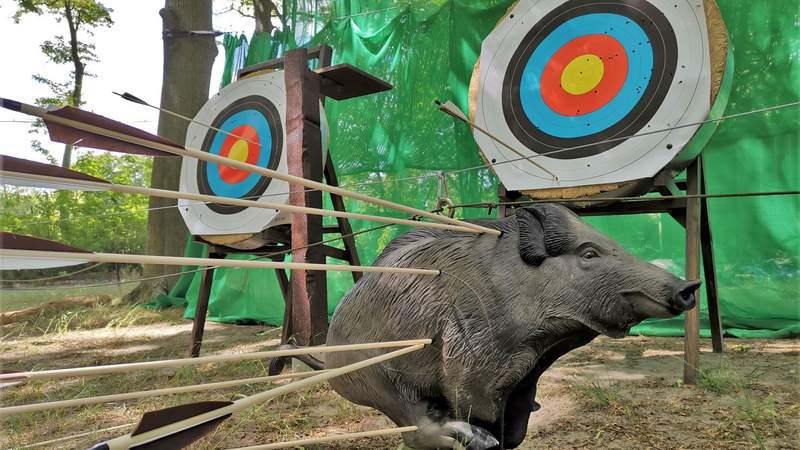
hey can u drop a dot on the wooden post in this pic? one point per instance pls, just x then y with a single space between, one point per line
691 354
344 225
709 268
201 309
304 148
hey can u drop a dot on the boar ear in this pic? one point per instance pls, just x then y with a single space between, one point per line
543 231
530 222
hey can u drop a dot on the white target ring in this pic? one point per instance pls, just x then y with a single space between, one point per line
576 78
252 111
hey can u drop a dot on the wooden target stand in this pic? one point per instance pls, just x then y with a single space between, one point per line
692 214
305 320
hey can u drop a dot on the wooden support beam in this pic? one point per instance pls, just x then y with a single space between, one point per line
709 269
344 225
691 354
201 309
304 157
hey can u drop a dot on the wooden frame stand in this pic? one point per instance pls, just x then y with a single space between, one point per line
692 214
305 293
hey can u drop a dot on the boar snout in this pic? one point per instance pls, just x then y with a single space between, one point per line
684 299
681 297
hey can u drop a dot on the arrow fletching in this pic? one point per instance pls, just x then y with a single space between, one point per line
69 135
13 171
11 241
451 109
177 437
60 132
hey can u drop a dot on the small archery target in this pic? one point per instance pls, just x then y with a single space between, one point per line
575 79
251 132
247 124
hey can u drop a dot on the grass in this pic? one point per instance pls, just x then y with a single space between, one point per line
722 379
762 414
13 300
598 396
98 316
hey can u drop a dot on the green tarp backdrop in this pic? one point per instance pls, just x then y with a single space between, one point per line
427 49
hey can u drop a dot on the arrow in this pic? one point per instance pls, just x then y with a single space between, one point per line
13 242
57 176
35 174
58 122
17 250
100 132
452 110
179 426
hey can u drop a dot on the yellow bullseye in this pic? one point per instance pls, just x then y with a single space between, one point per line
582 74
239 151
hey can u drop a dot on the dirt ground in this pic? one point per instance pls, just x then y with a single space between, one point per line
610 394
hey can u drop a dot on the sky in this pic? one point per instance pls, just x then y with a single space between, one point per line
131 57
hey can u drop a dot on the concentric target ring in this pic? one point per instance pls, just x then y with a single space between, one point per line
598 31
254 135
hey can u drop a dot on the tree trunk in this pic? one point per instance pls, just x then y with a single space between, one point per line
262 12
185 85
77 89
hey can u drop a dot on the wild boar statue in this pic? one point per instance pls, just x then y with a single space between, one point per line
503 309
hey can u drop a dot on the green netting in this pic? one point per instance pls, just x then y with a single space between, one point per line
427 49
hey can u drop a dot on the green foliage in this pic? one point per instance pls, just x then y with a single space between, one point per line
98 221
80 15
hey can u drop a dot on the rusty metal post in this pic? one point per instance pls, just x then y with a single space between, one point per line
691 354
304 157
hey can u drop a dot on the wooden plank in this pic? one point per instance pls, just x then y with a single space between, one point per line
691 354
319 51
344 81
627 208
336 253
709 269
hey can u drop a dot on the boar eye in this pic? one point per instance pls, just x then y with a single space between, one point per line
589 253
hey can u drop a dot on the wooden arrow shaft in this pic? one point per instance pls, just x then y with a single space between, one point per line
210 157
184 261
127 441
163 193
20 409
182 362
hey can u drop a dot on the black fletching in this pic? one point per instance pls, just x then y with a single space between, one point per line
10 104
182 438
166 416
132 98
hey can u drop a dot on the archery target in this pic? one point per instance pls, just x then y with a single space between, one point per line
573 80
251 116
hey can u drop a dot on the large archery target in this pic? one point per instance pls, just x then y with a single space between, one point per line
573 80
251 115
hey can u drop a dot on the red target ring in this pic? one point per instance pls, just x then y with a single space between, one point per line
595 49
241 144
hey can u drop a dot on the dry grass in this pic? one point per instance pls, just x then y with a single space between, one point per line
610 394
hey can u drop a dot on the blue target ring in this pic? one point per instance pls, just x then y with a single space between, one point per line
249 117
640 67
